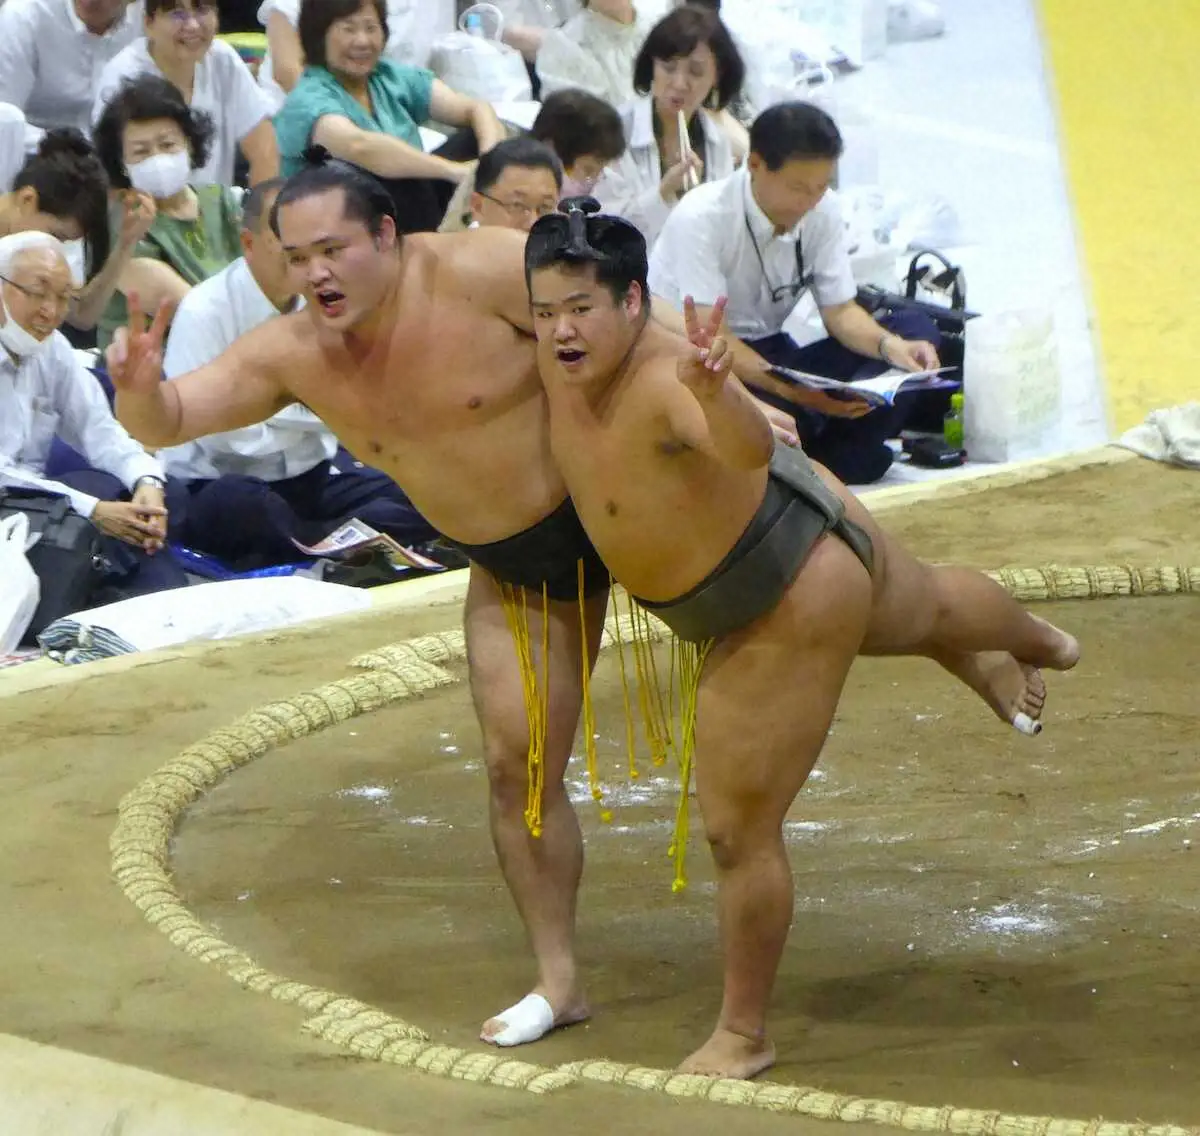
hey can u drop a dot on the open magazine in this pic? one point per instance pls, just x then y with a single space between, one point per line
879 391
355 537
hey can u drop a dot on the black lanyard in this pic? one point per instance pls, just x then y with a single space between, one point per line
797 287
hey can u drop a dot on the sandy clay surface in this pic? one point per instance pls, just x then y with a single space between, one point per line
982 919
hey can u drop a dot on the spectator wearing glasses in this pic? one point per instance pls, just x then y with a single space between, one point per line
765 236
584 133
180 46
516 182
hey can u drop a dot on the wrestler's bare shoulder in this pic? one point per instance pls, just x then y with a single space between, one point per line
473 257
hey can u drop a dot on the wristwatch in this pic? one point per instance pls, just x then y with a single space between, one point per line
155 481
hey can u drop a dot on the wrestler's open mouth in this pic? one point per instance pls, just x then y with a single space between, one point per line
569 355
331 301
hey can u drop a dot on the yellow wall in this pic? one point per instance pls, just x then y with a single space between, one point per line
1126 75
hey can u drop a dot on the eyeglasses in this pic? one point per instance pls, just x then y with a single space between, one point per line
783 291
518 210
200 13
60 300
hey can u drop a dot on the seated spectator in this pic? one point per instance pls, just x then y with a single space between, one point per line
52 50
762 237
584 133
688 63
150 140
516 182
45 391
179 46
595 50
251 491
412 28
368 110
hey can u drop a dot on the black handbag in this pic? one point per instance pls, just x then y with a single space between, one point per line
931 271
66 556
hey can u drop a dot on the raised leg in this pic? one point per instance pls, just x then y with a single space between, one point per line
767 698
542 873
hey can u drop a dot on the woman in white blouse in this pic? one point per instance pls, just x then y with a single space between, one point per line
687 69
180 46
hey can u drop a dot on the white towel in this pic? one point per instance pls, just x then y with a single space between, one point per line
1171 435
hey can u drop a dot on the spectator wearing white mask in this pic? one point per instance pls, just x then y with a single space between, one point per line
180 45
52 53
149 139
46 392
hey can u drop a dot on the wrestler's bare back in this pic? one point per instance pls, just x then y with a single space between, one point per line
638 490
447 401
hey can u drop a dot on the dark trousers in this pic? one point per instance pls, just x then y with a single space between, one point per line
421 203
134 572
250 523
855 450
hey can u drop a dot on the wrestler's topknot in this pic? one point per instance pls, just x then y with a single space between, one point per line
366 198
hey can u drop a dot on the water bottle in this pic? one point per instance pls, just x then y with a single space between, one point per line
952 424
474 25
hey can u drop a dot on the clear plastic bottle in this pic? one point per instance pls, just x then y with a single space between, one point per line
952 424
474 24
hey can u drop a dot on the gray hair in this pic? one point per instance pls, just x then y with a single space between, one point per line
12 246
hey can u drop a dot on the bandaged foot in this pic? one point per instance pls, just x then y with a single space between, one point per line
1015 691
529 1020
728 1054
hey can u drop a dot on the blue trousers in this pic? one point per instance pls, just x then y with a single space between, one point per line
250 523
855 450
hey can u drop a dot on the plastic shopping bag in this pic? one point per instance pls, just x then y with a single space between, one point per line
1012 386
474 61
20 589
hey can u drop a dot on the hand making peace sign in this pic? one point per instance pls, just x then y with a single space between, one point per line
134 358
705 363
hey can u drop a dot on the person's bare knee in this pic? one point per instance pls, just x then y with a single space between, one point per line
740 832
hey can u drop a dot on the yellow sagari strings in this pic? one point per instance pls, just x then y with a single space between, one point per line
668 714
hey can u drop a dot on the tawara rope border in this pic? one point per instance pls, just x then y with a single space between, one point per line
149 815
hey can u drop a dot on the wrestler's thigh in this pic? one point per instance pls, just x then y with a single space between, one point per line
903 599
497 680
768 695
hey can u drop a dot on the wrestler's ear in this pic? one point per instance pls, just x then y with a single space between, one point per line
635 301
386 240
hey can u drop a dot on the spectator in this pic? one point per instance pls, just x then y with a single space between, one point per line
584 133
762 237
52 51
688 62
368 110
150 140
250 491
595 50
516 182
44 391
412 27
179 45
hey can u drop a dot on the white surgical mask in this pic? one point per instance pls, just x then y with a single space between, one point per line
162 176
15 338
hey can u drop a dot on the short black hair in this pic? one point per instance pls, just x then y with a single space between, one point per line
142 99
153 7
523 151
364 197
613 247
70 183
679 33
794 130
577 124
254 203
318 16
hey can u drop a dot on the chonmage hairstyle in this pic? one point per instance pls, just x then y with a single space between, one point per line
364 197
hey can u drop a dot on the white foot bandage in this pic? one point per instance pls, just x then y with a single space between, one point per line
532 1017
1026 724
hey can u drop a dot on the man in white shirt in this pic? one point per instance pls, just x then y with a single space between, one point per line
52 53
46 392
762 238
251 491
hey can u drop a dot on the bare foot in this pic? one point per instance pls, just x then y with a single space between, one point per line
1064 651
728 1054
532 1018
1016 692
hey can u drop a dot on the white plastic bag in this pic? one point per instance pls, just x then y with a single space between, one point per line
480 65
1012 386
20 588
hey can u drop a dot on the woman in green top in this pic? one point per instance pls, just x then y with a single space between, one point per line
150 140
367 110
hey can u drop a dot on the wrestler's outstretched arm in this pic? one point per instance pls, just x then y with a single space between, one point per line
238 388
708 409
